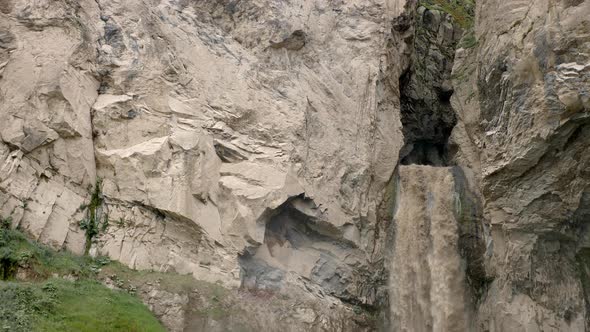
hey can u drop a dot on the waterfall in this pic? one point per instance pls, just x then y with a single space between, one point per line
427 284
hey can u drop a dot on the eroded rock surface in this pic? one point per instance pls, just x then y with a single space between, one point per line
202 119
521 96
255 144
425 87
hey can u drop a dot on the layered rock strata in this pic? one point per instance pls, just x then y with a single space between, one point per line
255 144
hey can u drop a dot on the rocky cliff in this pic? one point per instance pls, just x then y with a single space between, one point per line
267 146
523 106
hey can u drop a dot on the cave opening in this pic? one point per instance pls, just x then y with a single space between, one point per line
427 122
299 242
426 89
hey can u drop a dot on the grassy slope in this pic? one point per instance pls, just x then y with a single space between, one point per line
62 305
462 11
219 303
48 302
64 292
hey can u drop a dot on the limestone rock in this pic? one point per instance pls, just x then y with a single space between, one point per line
199 133
523 130
274 168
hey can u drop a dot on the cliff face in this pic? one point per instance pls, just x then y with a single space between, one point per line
522 102
243 142
256 144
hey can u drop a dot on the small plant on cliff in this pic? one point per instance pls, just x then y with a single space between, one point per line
462 11
468 40
94 222
8 257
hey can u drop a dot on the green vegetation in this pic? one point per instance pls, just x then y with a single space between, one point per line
125 277
63 292
62 305
38 261
583 265
462 11
92 224
468 40
219 302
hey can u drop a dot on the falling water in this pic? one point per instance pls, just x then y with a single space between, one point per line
427 278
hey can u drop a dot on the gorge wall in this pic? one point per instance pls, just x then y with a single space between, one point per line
522 103
279 148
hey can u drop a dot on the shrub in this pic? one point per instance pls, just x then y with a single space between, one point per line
462 11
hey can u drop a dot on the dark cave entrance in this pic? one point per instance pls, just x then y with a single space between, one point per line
427 119
299 242
426 90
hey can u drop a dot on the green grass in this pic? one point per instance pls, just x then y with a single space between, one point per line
50 302
171 282
62 305
39 261
62 291
217 306
462 11
468 40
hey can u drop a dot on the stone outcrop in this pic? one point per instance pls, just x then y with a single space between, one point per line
425 89
258 144
521 98
203 121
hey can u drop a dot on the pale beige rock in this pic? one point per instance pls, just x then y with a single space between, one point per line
220 130
216 152
47 90
520 94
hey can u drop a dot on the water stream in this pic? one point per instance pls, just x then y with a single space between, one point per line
427 285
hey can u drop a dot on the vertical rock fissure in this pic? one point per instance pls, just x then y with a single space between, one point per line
428 272
425 90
